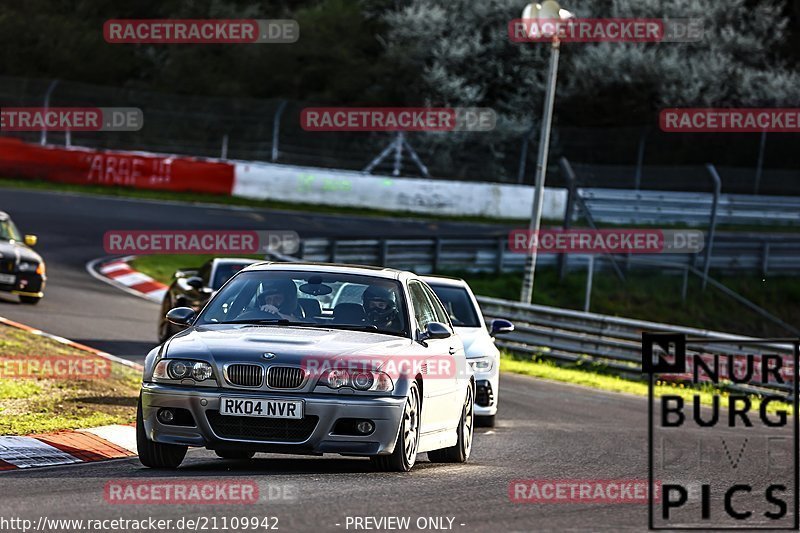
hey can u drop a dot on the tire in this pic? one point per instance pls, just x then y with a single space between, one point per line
404 455
485 421
460 452
154 454
30 300
238 455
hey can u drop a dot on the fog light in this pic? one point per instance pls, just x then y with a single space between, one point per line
166 416
365 427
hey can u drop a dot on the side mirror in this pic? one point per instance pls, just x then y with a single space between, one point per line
435 330
500 326
181 316
31 240
195 282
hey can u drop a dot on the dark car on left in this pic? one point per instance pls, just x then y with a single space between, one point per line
22 271
194 287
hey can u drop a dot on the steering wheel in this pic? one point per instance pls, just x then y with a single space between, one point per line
257 314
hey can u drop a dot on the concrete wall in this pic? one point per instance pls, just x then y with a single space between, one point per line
346 188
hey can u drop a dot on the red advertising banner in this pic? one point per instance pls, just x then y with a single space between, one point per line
122 169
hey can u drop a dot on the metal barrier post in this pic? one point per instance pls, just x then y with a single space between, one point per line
589 276
569 177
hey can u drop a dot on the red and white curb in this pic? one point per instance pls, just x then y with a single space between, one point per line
118 273
68 446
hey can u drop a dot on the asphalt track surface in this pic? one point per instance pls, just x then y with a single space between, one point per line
545 430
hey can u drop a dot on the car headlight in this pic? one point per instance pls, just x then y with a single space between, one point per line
27 266
481 364
361 380
179 369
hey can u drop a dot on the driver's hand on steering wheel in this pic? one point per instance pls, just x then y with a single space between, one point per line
270 309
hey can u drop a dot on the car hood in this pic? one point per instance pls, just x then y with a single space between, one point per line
17 252
225 343
477 342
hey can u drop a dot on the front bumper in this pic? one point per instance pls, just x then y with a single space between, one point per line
306 437
26 284
487 386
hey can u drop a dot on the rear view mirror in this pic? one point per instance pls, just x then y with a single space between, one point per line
500 326
195 282
31 240
435 330
181 316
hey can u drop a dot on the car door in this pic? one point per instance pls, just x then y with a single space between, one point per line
456 357
437 406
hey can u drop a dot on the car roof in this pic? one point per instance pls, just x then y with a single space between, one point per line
365 270
227 260
444 280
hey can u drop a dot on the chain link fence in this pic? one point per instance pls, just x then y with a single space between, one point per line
269 130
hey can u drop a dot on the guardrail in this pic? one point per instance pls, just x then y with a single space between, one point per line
762 253
613 342
621 206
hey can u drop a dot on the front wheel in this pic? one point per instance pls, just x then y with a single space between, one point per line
460 452
154 454
405 449
30 300
485 421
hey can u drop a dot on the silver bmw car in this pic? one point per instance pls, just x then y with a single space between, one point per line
310 359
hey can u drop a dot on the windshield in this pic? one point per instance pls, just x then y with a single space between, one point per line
8 231
458 304
325 299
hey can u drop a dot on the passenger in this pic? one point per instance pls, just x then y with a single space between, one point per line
380 308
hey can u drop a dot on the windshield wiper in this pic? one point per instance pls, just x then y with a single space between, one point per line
269 321
365 327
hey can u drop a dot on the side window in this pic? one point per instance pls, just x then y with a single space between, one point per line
423 311
441 315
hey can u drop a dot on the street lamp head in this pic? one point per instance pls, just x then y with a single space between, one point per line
550 11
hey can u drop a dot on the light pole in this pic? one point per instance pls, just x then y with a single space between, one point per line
548 10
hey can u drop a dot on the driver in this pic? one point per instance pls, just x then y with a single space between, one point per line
279 297
380 308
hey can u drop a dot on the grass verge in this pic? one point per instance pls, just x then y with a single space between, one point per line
586 377
37 395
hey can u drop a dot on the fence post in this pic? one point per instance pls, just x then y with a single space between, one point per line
276 126
569 177
712 225
765 259
47 94
224 152
685 288
589 276
437 251
640 159
523 158
760 164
